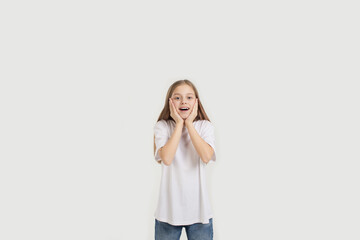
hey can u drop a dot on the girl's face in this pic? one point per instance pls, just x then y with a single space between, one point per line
183 97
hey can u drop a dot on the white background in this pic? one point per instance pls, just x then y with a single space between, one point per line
83 83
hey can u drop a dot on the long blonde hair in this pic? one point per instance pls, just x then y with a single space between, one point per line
165 113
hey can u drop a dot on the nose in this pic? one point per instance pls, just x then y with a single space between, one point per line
184 101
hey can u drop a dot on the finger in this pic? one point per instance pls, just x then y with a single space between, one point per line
171 106
196 107
171 102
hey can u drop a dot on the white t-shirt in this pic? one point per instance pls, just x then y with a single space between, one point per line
183 197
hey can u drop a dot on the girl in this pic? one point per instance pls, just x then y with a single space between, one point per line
184 143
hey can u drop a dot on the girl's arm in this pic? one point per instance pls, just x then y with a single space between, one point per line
204 150
167 152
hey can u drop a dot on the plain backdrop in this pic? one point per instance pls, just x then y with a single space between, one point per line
83 83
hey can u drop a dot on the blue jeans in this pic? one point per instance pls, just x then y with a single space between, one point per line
196 231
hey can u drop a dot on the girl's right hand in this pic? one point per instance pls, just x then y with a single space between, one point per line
174 114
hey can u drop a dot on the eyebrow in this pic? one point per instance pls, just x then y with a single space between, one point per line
180 94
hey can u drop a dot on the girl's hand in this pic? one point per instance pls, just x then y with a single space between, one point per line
193 113
174 114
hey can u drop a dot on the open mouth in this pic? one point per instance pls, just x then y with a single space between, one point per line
184 109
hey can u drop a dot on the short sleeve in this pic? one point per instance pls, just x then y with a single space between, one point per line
208 134
161 136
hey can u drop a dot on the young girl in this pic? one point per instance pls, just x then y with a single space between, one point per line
184 143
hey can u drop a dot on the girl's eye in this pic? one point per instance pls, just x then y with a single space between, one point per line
176 98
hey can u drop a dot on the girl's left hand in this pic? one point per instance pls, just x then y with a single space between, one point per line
193 113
